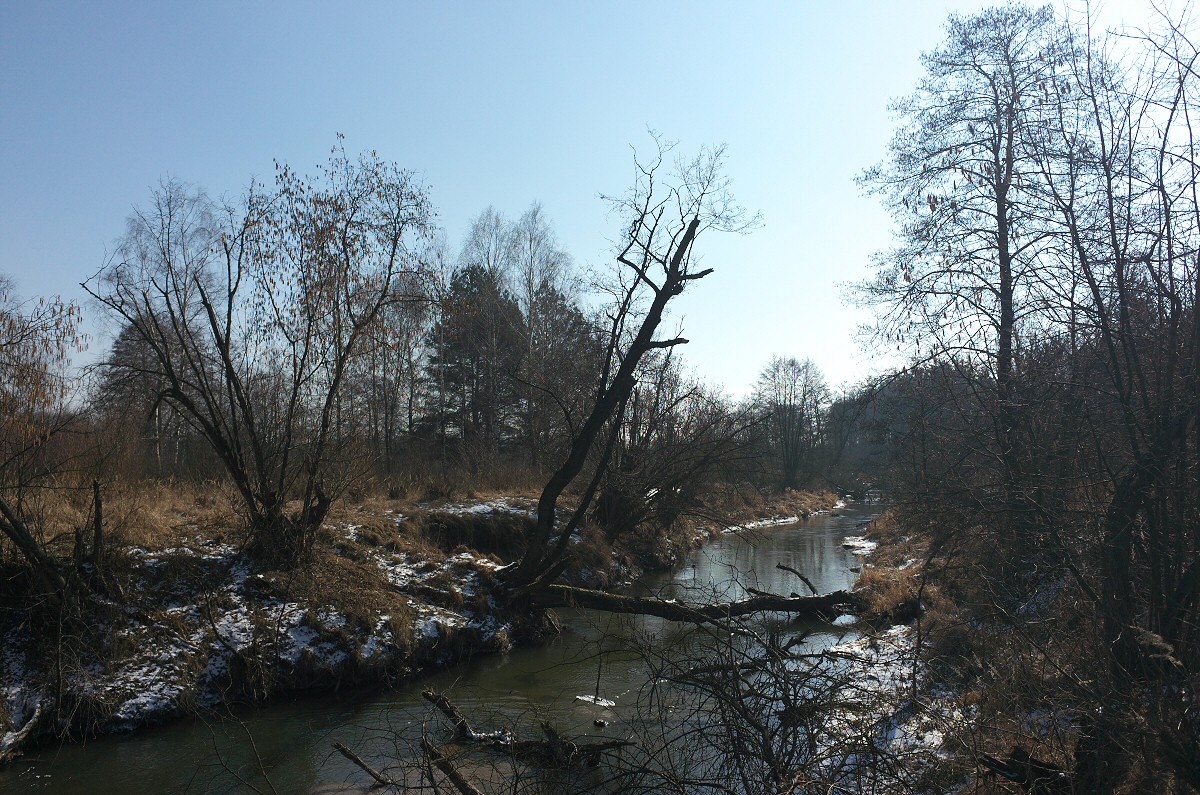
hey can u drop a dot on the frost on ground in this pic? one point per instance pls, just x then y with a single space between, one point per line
207 632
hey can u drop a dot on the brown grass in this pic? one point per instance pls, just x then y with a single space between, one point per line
157 513
359 591
750 504
803 503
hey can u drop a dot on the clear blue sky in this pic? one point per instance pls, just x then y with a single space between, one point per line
493 103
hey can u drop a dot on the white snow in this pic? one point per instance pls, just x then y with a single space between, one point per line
485 508
859 545
773 521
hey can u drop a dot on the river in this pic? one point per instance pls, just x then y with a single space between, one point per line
291 741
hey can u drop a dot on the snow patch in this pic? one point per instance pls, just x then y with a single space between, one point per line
486 508
859 545
773 521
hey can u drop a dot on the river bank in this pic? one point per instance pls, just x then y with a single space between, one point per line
203 632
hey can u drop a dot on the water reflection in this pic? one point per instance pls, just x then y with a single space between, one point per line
290 743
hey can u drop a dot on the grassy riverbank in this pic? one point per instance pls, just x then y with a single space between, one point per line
395 587
970 687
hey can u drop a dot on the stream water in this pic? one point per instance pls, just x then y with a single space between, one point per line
291 741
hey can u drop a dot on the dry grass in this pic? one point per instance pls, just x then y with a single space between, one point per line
749 504
149 513
895 596
802 503
504 534
155 514
1026 671
500 478
355 588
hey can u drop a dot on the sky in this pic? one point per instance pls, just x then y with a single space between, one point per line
498 104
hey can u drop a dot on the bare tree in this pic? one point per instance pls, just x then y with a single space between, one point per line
36 339
542 281
793 395
965 277
255 314
1093 428
656 255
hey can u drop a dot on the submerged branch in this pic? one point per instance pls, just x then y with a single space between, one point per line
380 778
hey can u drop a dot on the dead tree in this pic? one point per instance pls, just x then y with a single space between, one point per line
656 264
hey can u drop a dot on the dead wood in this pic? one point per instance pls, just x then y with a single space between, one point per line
380 778
552 752
443 763
803 579
824 606
462 729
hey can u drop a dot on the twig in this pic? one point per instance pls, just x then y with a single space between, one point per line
446 766
380 778
803 579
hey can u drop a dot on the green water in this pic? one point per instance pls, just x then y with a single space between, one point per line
291 741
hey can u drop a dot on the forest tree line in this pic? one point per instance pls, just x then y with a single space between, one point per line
476 367
318 338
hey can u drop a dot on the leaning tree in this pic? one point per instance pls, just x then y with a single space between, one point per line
663 217
36 338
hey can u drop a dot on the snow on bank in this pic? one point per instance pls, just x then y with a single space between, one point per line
774 521
207 632
859 545
509 506
888 721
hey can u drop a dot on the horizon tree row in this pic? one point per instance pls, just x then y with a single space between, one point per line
479 363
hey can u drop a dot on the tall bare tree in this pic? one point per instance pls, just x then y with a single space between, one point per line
793 395
656 264
965 276
255 313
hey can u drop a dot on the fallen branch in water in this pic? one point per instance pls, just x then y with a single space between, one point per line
462 729
824 606
380 778
803 579
443 763
552 752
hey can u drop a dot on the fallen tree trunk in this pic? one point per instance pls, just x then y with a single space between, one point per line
553 752
41 564
462 728
443 763
12 746
824 606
